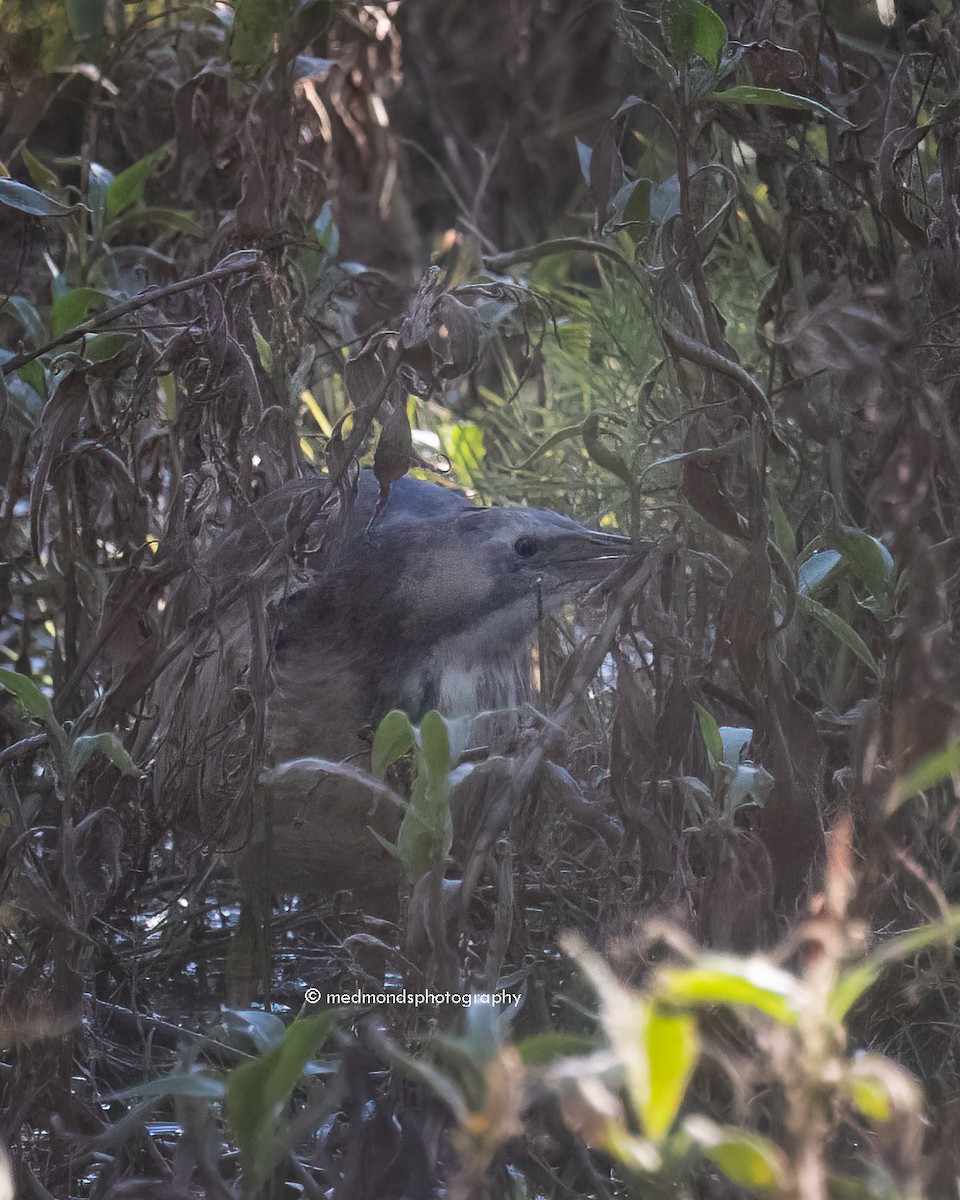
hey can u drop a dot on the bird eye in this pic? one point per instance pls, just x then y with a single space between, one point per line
526 546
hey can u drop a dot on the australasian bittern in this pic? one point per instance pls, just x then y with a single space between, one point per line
432 602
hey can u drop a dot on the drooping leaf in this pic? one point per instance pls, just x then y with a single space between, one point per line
869 559
32 701
818 570
84 746
839 628
176 220
43 177
772 98
28 200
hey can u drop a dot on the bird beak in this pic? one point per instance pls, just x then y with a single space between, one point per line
591 556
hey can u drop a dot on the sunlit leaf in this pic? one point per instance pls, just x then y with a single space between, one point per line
435 744
748 1160
715 979
857 979
880 1087
934 769
672 1048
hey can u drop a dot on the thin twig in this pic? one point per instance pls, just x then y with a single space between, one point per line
244 260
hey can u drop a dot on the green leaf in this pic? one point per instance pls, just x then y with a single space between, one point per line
772 98
693 29
86 19
840 629
463 444
853 983
672 1048
748 1160
102 347
74 308
264 350
435 744
542 1048
32 374
28 316
393 739
127 188
32 701
177 220
935 768
196 1084
255 24
258 1092
737 982
783 533
869 558
108 744
710 732
36 204
42 176
879 1088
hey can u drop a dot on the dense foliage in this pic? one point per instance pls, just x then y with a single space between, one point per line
689 271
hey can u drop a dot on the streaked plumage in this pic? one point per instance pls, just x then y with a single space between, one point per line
433 603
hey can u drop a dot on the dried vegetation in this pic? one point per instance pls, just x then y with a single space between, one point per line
214 280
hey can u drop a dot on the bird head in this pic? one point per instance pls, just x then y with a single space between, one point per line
435 587
490 573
